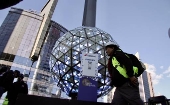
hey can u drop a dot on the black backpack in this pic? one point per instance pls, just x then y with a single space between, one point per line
140 65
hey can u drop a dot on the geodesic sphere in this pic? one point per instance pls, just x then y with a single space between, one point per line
66 58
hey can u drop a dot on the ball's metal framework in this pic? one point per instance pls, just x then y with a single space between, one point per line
65 59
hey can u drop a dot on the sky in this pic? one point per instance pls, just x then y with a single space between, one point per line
136 25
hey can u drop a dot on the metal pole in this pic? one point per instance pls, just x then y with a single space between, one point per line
89 16
33 59
26 76
30 68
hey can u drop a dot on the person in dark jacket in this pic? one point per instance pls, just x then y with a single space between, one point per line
2 71
7 79
122 74
18 87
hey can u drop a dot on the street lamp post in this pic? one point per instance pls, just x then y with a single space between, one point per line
33 59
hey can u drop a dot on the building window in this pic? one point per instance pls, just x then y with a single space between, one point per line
7 57
2 57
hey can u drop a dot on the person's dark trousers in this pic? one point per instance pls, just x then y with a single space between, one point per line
127 94
1 91
11 102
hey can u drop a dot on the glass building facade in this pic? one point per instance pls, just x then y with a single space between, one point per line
18 35
42 83
146 86
145 83
146 89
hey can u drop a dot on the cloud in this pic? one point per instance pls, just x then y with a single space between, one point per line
167 71
155 77
158 94
161 67
168 75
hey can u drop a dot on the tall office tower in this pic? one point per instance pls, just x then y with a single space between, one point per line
145 84
25 33
152 94
42 82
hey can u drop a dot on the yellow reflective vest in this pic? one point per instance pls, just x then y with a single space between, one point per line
5 102
122 70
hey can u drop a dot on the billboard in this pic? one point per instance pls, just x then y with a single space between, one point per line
89 64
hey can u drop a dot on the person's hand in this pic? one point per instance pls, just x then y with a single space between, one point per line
134 80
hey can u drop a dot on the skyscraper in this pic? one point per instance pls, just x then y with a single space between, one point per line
42 82
145 84
25 33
